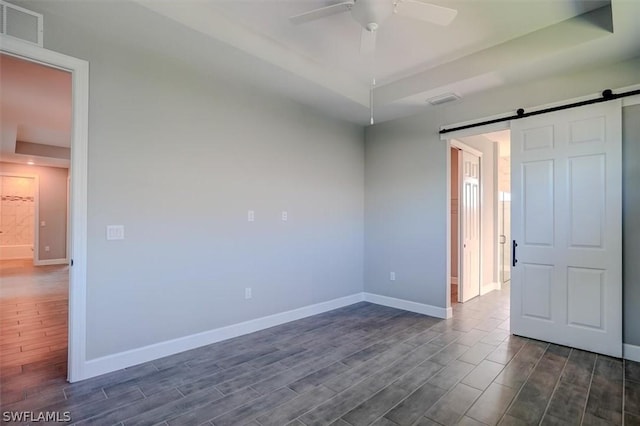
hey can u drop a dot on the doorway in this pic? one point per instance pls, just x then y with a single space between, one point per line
455 224
18 215
466 212
77 195
493 254
34 288
503 168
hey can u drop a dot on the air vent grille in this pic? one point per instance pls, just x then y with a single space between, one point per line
442 99
21 23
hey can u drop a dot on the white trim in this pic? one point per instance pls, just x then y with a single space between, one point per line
78 206
463 146
136 356
67 233
17 252
489 287
407 305
631 352
631 100
51 262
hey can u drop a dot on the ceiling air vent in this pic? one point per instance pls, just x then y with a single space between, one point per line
442 99
20 23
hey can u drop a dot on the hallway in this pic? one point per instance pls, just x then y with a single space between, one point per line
33 328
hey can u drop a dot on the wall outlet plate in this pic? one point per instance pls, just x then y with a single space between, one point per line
115 232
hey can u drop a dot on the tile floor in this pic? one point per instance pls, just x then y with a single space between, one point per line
360 365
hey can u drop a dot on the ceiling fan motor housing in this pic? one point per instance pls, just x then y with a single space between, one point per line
371 13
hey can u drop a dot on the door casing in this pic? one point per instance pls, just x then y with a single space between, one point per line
77 251
462 147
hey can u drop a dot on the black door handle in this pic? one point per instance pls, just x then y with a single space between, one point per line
513 253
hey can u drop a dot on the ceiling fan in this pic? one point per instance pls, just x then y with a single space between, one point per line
371 13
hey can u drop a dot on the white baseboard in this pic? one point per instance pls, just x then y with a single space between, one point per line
489 287
16 252
631 352
421 308
109 363
51 262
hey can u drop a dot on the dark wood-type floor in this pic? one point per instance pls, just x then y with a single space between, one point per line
359 365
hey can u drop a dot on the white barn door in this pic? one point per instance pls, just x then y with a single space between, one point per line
470 220
567 224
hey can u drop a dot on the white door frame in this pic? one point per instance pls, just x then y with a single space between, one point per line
454 143
77 251
36 210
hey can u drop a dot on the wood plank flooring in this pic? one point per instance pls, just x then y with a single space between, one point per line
33 328
360 365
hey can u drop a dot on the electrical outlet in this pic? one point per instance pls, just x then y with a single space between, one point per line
251 216
285 216
43 223
392 276
47 248
247 293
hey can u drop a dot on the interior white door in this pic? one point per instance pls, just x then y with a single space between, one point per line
567 224
470 224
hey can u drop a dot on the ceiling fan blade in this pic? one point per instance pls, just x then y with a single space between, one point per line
322 12
367 41
426 12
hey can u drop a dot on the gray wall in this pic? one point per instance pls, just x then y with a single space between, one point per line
52 207
178 158
631 222
405 186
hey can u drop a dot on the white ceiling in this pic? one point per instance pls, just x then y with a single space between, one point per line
490 43
405 46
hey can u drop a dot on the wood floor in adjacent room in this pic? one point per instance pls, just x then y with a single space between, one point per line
359 365
33 328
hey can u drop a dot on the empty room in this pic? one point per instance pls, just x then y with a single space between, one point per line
321 212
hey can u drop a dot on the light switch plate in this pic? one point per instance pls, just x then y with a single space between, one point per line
251 216
115 232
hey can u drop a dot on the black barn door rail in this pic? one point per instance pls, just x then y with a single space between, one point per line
607 95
